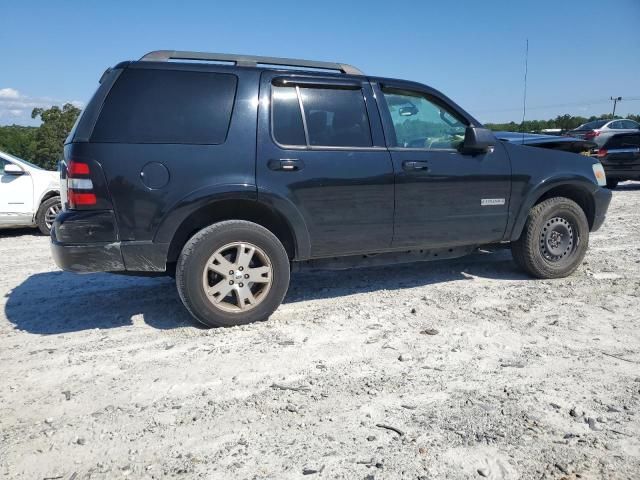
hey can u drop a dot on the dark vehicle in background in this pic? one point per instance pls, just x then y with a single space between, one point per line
620 157
553 142
231 175
599 131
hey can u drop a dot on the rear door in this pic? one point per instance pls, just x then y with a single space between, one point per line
443 197
321 151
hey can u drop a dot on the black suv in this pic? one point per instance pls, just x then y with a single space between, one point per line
620 157
229 171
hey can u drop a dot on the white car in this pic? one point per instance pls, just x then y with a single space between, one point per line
29 195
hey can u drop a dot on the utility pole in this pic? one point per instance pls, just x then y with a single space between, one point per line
615 101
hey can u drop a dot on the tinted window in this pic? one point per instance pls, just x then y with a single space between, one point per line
630 124
287 119
336 117
2 164
167 106
615 125
421 123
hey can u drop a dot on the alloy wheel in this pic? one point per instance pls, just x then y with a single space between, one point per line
237 277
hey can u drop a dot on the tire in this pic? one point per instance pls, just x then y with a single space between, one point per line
46 214
224 305
612 183
545 254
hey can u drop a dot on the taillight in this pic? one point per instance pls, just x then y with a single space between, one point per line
79 185
602 152
591 134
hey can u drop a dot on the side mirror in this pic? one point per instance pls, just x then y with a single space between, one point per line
13 169
478 140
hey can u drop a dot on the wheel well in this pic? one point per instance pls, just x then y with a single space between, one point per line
579 195
249 210
48 195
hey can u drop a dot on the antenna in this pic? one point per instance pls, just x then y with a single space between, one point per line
524 100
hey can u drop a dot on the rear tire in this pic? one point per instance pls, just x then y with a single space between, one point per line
612 183
232 273
47 213
554 240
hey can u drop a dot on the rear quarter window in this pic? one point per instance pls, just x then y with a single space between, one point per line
167 106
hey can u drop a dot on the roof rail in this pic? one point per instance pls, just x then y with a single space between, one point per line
247 60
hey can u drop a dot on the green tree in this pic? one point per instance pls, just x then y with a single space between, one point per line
18 140
56 124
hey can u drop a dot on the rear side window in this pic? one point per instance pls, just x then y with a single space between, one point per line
167 106
336 117
333 117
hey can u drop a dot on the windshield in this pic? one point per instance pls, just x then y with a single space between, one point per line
16 159
592 125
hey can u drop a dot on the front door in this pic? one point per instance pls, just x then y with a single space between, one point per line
443 197
321 149
16 195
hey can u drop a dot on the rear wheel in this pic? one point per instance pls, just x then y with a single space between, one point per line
232 273
554 240
612 183
47 213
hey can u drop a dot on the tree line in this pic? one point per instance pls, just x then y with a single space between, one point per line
564 122
40 145
43 145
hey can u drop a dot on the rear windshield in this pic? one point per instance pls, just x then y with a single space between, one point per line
623 141
167 106
592 125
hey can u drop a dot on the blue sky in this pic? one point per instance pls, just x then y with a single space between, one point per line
580 52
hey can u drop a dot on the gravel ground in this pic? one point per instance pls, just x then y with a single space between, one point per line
453 369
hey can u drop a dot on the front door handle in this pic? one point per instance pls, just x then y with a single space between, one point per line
413 165
285 164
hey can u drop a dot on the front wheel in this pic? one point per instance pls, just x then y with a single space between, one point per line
554 240
612 183
232 273
47 213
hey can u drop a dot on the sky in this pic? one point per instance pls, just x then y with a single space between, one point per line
580 52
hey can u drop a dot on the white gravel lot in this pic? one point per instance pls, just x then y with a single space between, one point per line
484 372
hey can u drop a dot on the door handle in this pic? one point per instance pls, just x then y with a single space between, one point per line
285 164
413 165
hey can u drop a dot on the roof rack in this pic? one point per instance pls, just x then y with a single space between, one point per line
247 60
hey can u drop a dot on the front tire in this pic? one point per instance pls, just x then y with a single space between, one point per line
554 240
612 183
232 273
47 213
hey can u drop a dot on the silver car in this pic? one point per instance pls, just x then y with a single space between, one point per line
599 131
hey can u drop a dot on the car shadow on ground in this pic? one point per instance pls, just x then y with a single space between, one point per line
61 302
20 232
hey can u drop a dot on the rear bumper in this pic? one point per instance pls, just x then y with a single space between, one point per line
602 199
87 241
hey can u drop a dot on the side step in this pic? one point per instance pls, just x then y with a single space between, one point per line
381 259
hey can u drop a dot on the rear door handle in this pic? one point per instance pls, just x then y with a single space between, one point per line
285 164
413 165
